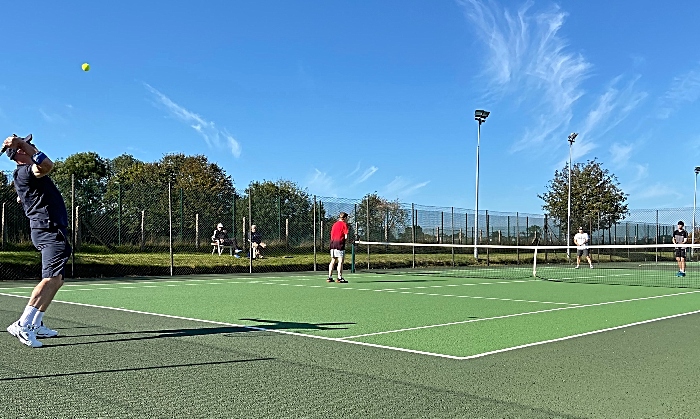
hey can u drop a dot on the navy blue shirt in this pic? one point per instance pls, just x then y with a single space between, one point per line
42 202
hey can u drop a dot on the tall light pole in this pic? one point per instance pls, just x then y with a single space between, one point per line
572 138
479 115
695 200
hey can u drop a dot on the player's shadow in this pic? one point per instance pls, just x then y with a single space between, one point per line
149 334
178 333
281 325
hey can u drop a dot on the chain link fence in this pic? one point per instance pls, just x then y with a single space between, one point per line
162 230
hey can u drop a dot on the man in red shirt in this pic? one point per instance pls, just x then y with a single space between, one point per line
339 233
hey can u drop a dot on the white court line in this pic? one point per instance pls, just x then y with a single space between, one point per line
389 290
521 314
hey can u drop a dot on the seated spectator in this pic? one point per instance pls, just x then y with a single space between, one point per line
256 242
220 237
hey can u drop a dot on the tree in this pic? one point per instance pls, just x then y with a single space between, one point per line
275 202
387 220
596 197
198 189
90 172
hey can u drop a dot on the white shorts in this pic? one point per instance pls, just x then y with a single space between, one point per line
335 253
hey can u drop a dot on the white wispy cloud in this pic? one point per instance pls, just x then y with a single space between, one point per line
321 183
620 98
401 187
527 60
366 175
621 153
52 117
654 191
683 90
213 136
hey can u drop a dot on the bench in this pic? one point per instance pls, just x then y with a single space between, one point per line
218 247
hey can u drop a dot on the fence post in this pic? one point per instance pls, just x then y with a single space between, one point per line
119 214
196 231
286 233
143 229
250 229
320 225
452 233
413 233
314 222
170 225
367 231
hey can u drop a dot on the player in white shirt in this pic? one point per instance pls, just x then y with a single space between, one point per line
581 242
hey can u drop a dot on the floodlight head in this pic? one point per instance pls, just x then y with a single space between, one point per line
697 169
481 115
572 137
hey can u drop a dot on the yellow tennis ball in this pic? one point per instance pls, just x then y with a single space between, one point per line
86 67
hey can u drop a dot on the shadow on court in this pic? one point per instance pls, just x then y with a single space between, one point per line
151 334
280 325
141 335
158 367
401 280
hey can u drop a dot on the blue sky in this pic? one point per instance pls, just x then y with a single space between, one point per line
348 98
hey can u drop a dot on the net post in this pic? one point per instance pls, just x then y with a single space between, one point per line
534 263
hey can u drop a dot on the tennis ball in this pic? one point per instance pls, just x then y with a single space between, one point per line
86 67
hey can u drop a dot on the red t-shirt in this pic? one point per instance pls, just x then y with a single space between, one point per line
338 233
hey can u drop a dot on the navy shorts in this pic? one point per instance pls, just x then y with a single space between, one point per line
680 252
582 252
55 250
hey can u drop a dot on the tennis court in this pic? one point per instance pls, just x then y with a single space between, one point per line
292 345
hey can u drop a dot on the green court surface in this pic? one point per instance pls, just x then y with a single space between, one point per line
292 345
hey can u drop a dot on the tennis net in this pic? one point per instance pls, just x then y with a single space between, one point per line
643 265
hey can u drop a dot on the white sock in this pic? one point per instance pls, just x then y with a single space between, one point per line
28 315
36 321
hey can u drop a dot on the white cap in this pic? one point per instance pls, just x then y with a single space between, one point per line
219 225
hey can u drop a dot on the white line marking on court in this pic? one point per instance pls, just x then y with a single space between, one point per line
527 345
168 283
506 316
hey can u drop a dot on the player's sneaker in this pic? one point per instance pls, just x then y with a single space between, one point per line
25 334
682 273
341 281
577 267
44 332
330 279
591 266
679 273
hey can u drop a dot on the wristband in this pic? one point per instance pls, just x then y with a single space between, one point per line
38 157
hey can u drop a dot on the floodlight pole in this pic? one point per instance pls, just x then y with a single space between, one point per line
572 138
480 116
695 200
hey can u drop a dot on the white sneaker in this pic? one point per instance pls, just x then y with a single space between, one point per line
591 266
44 332
237 251
577 267
25 334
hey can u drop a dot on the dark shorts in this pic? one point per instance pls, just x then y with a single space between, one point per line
55 250
582 252
680 252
